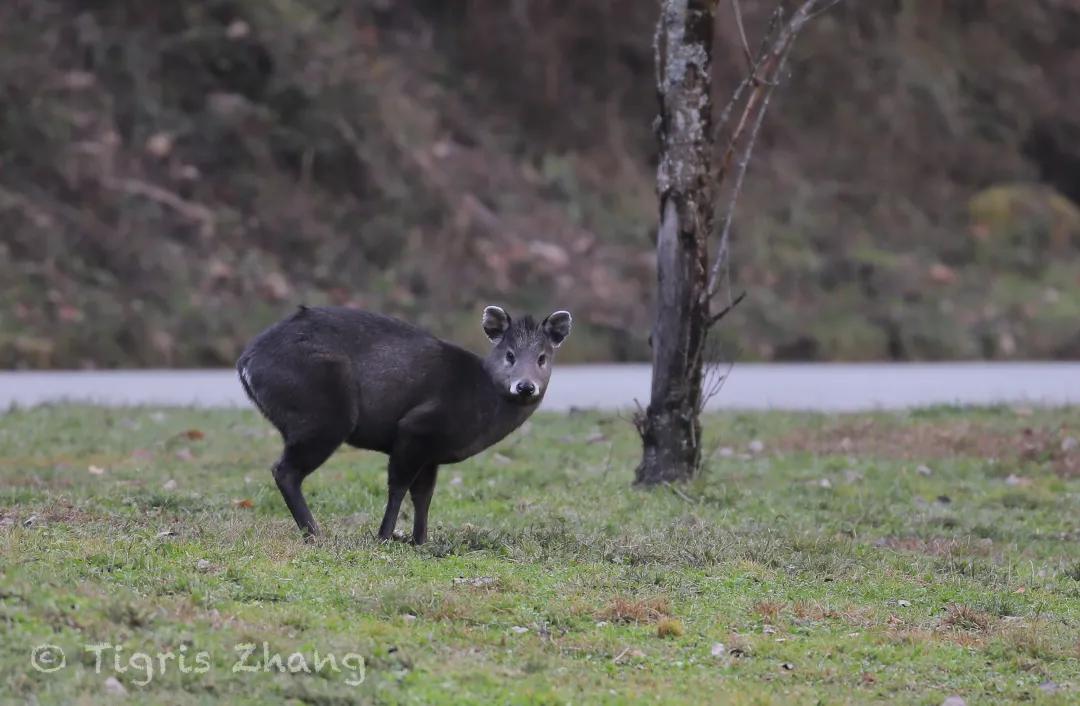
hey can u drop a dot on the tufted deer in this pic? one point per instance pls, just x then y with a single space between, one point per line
328 376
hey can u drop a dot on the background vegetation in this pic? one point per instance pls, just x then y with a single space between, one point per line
174 176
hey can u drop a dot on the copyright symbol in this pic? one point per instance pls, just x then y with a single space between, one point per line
47 658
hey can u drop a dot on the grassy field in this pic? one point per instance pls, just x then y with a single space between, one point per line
819 559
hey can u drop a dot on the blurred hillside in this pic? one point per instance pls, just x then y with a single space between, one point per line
176 175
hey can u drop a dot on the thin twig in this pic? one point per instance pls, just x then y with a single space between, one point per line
737 9
607 461
829 4
727 309
681 494
188 209
725 114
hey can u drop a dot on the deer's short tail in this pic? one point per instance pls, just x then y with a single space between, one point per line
243 368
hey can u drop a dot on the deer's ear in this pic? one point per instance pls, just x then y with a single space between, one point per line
495 323
557 327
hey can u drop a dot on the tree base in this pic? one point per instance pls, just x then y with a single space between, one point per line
670 448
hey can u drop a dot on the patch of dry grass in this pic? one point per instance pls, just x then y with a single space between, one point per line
769 610
623 609
871 438
962 617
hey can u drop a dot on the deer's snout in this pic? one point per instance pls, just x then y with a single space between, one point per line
524 388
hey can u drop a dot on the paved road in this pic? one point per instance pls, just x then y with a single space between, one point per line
826 387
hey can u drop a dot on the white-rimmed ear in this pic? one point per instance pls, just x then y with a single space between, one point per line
495 322
557 327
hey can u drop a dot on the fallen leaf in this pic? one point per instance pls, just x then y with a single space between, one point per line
68 313
942 274
244 503
238 29
114 687
159 144
276 286
1020 590
194 434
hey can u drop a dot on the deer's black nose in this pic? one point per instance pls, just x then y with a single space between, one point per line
525 388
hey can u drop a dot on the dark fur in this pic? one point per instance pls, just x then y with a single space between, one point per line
328 376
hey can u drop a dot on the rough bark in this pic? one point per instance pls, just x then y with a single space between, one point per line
686 182
670 428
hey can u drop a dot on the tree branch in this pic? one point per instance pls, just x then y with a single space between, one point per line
764 76
736 191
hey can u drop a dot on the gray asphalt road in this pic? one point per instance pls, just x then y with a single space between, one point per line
826 387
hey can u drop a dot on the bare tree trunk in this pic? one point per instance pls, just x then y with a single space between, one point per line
669 427
686 182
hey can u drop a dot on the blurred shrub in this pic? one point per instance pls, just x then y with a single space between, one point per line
1024 226
174 176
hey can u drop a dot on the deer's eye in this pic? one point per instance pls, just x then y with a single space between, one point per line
542 360
509 357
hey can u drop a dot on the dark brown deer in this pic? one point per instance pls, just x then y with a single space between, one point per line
331 376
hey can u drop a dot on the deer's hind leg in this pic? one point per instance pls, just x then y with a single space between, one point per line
315 410
297 462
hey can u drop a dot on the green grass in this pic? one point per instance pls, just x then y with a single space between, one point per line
829 568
